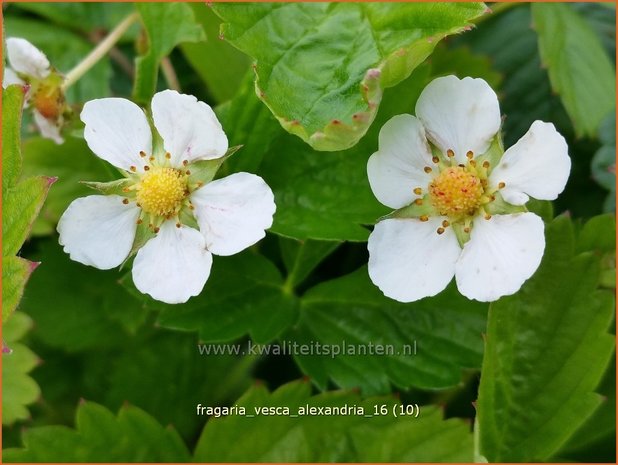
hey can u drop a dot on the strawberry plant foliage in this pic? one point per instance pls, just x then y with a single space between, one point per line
321 68
546 350
22 200
182 98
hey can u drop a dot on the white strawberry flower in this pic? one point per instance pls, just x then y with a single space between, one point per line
460 200
29 66
167 193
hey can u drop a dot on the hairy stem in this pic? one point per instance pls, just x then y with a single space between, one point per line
99 51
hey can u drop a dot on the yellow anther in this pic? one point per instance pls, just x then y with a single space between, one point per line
501 185
450 153
418 191
440 230
456 192
424 218
161 191
427 169
470 155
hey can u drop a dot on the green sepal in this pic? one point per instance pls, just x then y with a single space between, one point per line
142 235
501 207
413 210
204 171
111 188
493 154
187 218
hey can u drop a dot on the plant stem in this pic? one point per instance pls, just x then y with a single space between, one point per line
99 51
170 74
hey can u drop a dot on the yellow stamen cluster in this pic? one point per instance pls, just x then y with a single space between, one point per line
161 191
456 192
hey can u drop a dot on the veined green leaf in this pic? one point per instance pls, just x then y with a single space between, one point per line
244 294
217 63
60 291
327 197
71 163
18 389
12 104
301 257
579 68
21 202
15 274
546 350
338 438
321 68
100 436
424 344
167 25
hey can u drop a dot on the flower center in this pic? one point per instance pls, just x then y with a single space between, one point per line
47 97
161 191
456 192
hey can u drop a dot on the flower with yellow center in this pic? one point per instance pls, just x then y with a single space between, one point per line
459 199
167 209
29 66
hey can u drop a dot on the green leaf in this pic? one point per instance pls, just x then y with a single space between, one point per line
425 344
166 25
12 104
246 121
15 274
21 206
21 202
78 307
338 438
188 383
525 93
546 350
64 50
18 389
81 16
579 68
218 64
603 164
595 441
301 258
321 68
244 294
71 163
598 235
462 62
100 436
328 197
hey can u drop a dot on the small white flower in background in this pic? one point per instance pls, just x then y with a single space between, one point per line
166 194
460 199
29 66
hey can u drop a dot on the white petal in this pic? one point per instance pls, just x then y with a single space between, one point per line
48 128
189 128
396 169
459 114
234 212
409 260
538 165
500 256
98 230
174 265
26 59
116 131
10 78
